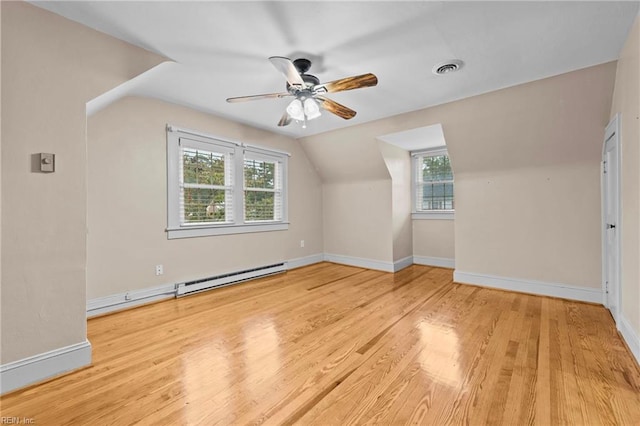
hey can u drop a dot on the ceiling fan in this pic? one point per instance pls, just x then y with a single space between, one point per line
307 91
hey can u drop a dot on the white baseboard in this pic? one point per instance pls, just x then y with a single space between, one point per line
441 262
402 263
360 262
130 299
117 302
630 337
27 371
541 288
304 261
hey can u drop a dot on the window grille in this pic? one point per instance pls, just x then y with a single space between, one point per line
433 182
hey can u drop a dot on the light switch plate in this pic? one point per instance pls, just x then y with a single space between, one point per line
47 163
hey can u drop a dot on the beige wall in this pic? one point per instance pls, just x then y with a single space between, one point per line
357 219
50 68
626 101
346 155
356 193
527 164
536 224
434 238
127 202
366 195
549 133
398 163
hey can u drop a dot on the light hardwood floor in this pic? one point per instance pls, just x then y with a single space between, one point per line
330 344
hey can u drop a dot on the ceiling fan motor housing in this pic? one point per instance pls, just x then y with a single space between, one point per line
302 65
310 81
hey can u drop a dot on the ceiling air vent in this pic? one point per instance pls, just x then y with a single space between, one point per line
446 67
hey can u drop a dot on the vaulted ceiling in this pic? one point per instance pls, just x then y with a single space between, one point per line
220 49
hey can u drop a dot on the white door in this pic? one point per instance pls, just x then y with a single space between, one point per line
611 217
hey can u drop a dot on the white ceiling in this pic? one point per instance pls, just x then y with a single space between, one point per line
421 138
220 49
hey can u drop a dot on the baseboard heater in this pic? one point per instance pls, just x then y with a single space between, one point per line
190 287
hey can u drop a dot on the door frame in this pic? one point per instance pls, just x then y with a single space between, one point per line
612 131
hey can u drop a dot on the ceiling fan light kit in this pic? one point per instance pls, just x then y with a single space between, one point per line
307 91
311 109
295 110
303 109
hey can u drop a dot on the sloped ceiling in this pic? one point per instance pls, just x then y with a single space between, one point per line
551 122
221 49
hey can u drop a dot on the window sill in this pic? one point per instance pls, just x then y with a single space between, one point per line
206 231
434 215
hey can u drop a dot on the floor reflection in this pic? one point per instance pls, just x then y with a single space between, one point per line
262 354
440 359
206 372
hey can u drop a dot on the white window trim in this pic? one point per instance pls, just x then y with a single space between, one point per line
433 214
174 227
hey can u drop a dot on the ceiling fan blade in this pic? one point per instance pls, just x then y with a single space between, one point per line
349 83
285 120
256 97
336 108
286 67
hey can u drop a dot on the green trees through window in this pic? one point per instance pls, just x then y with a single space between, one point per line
204 189
261 193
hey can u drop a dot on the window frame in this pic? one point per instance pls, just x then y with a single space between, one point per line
416 161
261 154
176 228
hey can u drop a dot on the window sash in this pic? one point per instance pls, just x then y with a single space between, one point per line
252 210
438 203
443 202
205 215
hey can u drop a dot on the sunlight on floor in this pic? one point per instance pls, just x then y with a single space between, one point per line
262 354
207 369
440 358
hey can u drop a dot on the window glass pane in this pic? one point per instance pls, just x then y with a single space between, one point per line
448 189
203 167
438 190
258 205
259 174
436 168
436 196
204 205
427 191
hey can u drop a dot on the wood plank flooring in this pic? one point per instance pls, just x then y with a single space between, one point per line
335 345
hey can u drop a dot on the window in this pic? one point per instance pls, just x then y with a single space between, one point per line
262 189
223 187
433 185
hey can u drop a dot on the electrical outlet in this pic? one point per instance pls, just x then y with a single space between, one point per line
301 243
159 270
